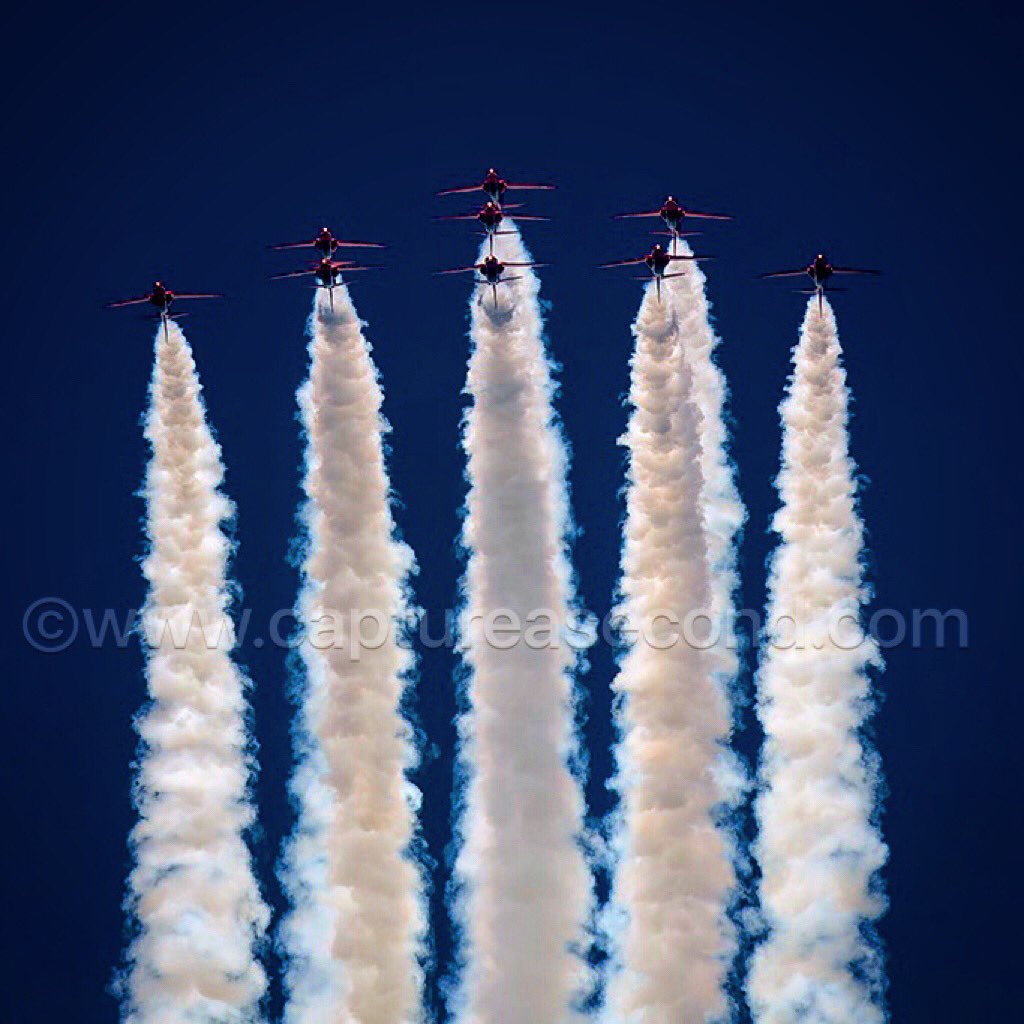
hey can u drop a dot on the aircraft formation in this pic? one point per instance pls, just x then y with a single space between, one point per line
328 272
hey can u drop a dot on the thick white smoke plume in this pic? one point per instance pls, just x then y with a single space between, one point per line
525 891
724 514
819 848
672 941
192 890
355 934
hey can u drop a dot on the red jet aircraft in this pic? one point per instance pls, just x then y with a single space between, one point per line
673 214
325 244
657 261
494 186
490 272
819 271
328 274
490 216
161 297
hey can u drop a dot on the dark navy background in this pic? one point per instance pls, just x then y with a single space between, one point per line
147 141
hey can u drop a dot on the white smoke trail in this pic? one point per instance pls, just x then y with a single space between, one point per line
724 514
671 938
355 934
525 891
819 848
192 890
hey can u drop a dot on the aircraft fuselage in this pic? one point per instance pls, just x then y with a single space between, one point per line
658 262
161 298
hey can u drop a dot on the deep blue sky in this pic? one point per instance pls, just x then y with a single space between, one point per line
148 141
